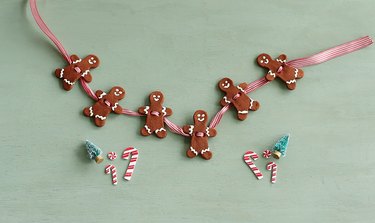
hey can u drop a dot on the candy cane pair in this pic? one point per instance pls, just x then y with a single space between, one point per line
249 156
128 152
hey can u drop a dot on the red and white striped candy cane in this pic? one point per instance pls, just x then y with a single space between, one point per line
112 169
272 166
133 161
247 158
112 155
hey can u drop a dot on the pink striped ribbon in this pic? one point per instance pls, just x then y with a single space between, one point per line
320 57
42 25
331 53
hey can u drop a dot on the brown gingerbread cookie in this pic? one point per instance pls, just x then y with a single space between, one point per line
106 104
199 133
155 114
236 96
279 68
77 69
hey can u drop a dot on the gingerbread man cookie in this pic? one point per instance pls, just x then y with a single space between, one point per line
279 68
236 96
199 133
106 104
77 69
155 114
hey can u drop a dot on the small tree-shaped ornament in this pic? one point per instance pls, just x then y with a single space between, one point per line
94 152
280 147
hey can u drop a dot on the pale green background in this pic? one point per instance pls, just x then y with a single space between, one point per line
183 48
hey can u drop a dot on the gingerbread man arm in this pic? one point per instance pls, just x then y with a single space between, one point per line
168 111
271 75
224 101
242 87
144 110
86 75
212 132
100 94
117 108
74 58
282 58
188 129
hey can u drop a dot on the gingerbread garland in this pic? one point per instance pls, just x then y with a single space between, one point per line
287 71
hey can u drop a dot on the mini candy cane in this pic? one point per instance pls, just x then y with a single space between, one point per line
112 155
267 154
108 170
134 157
272 166
247 158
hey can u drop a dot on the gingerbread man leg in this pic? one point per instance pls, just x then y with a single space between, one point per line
242 115
191 153
99 120
146 131
161 132
254 105
206 154
67 85
291 85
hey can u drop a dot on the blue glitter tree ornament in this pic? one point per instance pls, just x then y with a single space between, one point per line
94 152
280 147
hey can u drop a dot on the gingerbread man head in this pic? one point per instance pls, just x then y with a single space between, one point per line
156 97
265 60
200 118
226 84
92 61
116 93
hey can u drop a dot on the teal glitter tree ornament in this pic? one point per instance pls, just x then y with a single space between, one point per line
94 152
280 147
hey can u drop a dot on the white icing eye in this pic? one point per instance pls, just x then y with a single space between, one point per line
158 96
264 57
203 115
261 61
120 92
153 96
117 90
199 115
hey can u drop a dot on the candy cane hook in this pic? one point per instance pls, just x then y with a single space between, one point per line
273 167
247 158
112 169
133 161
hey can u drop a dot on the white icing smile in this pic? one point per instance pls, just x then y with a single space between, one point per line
117 92
200 117
265 60
156 97
92 60
226 84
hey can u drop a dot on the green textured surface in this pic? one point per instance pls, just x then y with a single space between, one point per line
183 48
